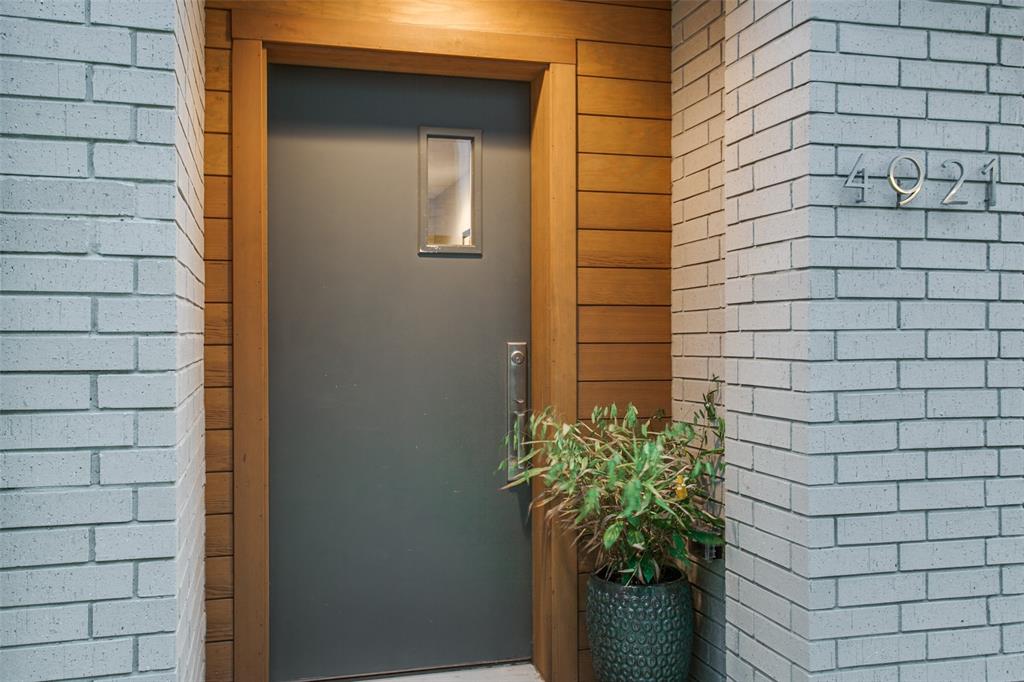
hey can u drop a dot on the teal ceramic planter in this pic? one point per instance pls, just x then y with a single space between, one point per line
641 633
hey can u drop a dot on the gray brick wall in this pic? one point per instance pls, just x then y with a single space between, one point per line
101 297
874 355
698 264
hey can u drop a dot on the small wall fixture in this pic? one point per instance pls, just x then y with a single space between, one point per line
450 191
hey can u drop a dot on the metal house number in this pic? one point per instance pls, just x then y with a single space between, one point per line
858 179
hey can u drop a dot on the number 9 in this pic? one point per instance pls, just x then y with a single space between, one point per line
912 191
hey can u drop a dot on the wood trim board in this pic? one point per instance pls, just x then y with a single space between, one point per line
403 39
250 330
541 18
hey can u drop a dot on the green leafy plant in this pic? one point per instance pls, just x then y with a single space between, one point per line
631 494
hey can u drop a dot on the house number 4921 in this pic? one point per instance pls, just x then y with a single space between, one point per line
858 179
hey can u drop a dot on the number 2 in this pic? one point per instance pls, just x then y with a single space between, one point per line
958 182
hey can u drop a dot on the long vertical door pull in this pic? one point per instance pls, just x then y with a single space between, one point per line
518 373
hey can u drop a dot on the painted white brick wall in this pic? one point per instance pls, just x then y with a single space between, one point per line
101 297
874 355
698 274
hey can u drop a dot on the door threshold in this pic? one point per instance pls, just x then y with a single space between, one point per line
519 672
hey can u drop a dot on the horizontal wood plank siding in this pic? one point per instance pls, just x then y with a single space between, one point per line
649 397
218 324
219 535
620 135
219 662
217 196
620 173
218 492
624 286
219 620
624 361
602 210
218 239
624 249
219 414
217 356
619 97
218 153
218 112
218 366
624 324
218 68
219 577
218 281
218 450
614 60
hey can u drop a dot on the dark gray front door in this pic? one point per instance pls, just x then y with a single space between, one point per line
391 546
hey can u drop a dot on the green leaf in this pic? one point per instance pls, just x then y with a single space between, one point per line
613 471
631 497
591 501
678 548
662 504
611 534
635 538
648 569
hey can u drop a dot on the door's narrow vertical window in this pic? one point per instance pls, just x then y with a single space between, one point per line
450 191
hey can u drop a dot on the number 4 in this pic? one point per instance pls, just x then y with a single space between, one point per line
851 179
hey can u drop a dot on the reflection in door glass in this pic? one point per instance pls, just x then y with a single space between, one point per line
449 191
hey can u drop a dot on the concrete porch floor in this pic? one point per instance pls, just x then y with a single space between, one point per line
523 672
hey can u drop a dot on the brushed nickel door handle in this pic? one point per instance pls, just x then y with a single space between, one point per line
517 393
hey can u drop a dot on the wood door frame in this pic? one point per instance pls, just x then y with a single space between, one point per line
548 64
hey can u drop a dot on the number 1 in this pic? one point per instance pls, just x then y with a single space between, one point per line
990 188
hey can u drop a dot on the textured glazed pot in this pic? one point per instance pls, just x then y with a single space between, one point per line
640 633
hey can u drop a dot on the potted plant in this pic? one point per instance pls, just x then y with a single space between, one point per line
635 496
